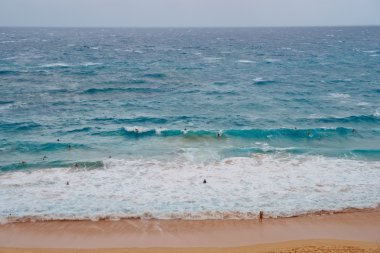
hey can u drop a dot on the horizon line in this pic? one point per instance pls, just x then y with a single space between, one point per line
193 27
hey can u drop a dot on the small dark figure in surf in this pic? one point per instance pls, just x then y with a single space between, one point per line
219 133
44 157
57 139
136 130
261 216
76 165
309 133
204 181
23 162
353 130
69 146
109 157
67 183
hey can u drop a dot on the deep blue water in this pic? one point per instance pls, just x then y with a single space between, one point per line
130 93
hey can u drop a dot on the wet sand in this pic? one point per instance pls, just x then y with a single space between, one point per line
308 246
360 229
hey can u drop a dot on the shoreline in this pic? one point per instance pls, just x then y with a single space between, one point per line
244 216
361 225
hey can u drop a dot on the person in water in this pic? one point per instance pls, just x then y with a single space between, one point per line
204 181
219 133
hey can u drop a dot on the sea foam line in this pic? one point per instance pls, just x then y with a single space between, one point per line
278 184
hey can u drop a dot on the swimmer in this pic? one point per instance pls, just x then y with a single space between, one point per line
69 146
57 139
309 133
44 157
23 162
136 130
76 165
261 216
204 181
67 183
353 130
220 132
109 157
185 131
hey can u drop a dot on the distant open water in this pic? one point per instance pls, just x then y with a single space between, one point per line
284 120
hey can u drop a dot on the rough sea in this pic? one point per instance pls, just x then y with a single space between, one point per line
122 122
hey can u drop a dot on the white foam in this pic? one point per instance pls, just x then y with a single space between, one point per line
245 61
55 64
7 41
280 185
339 95
86 64
159 130
137 129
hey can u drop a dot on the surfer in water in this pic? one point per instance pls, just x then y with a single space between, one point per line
219 134
185 131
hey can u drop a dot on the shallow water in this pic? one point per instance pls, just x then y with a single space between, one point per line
285 120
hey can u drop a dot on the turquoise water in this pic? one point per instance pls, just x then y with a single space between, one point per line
138 117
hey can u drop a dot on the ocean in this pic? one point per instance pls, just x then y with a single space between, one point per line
188 123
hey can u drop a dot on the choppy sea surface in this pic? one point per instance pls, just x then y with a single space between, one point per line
120 123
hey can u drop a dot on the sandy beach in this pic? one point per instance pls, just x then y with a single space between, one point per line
351 231
307 246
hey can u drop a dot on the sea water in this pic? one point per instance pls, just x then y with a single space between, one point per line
122 122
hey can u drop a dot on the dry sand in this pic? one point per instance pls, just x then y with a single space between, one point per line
360 231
